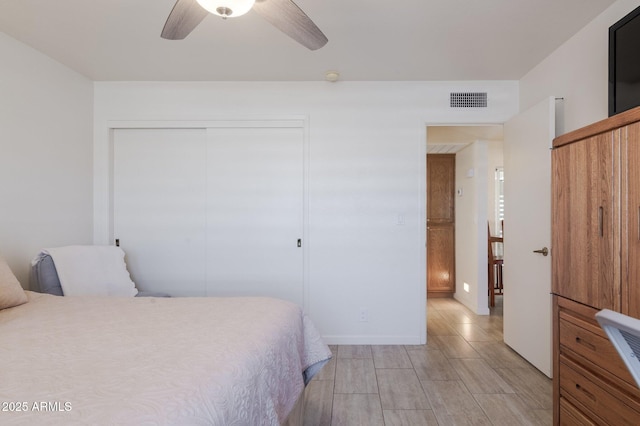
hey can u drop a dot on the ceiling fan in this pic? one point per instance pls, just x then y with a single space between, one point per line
285 15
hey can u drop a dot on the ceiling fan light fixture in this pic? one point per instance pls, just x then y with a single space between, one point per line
227 8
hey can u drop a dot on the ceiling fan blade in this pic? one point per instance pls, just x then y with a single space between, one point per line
286 16
184 17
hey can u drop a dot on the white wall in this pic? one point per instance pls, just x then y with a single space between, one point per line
45 155
471 228
577 71
366 166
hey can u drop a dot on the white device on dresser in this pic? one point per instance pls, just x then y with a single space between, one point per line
624 334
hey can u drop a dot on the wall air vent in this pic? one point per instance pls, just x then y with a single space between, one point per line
468 100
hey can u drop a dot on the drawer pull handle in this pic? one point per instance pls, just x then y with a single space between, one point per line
587 393
601 221
583 343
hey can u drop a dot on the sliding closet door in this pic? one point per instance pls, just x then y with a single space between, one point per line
159 207
255 212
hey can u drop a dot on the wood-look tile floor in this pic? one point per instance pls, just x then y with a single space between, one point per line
464 375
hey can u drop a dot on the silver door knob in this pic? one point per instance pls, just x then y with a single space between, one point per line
543 251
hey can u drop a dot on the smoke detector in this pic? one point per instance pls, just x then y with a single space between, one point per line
332 76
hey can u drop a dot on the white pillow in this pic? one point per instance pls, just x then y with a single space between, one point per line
11 292
92 270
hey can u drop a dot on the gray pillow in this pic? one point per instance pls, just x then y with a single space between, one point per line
44 277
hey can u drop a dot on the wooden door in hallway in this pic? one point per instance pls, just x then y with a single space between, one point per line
441 225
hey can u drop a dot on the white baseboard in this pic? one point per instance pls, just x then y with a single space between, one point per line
371 340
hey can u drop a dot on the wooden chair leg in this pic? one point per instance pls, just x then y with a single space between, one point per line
491 285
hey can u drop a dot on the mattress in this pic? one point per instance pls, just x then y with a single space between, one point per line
197 361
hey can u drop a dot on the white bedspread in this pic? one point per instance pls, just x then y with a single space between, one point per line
178 361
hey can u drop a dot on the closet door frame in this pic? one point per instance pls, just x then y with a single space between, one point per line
104 170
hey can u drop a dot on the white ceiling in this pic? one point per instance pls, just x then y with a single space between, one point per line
368 39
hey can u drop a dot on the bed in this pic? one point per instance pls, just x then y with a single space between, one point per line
153 360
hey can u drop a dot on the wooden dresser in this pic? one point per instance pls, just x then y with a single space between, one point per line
596 265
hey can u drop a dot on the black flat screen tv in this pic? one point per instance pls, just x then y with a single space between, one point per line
624 63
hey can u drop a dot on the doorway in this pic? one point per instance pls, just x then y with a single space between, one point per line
478 153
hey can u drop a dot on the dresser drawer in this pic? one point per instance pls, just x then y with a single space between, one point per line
581 388
595 348
571 416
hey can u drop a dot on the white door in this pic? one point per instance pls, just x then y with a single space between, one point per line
255 212
528 139
159 207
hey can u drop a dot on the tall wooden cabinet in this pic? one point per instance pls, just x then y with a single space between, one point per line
441 253
631 227
584 209
595 265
